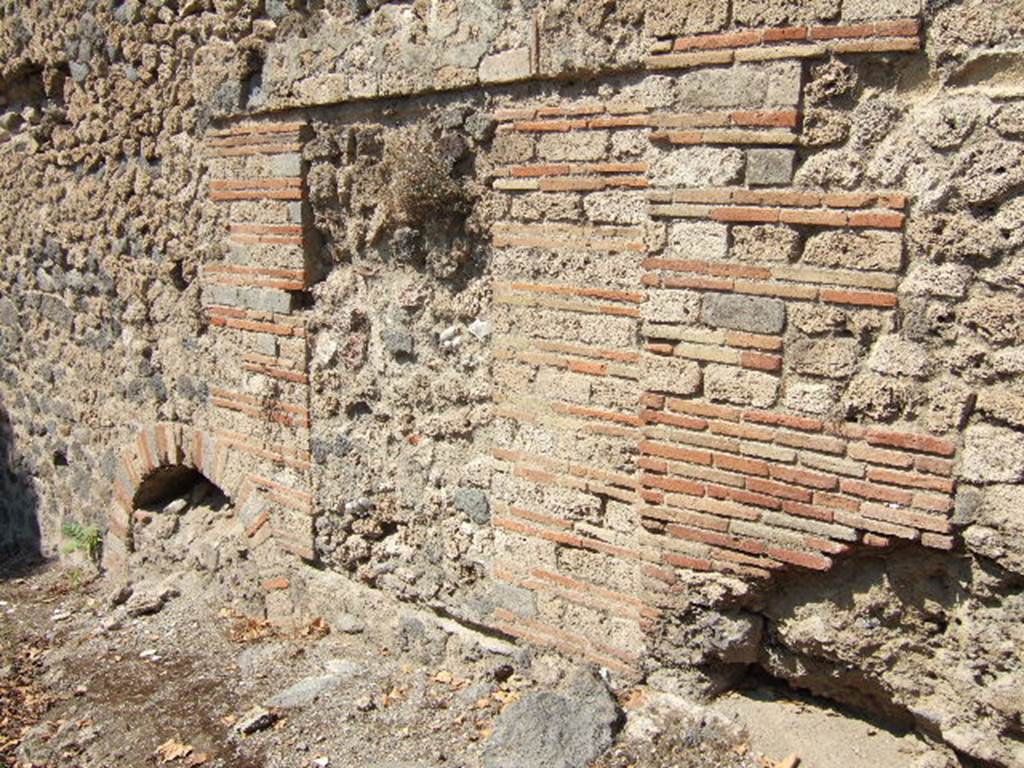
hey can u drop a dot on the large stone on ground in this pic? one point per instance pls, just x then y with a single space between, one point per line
555 730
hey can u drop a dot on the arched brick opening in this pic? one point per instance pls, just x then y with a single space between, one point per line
164 457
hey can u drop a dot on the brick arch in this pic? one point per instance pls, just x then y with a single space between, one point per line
155 447
263 505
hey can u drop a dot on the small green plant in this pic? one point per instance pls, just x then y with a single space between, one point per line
82 538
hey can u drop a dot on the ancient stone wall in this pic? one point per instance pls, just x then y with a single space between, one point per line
680 338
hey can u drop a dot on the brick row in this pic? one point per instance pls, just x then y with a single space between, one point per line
770 44
587 367
269 410
289 188
568 237
777 289
811 217
255 321
799 273
728 136
780 197
256 277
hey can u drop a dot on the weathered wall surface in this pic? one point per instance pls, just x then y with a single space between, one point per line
683 339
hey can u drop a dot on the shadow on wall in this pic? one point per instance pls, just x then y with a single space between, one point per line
19 519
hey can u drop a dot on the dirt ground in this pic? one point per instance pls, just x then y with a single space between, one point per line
82 683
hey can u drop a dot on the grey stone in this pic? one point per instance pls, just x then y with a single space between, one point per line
769 166
304 692
398 342
79 71
555 730
473 502
522 602
744 313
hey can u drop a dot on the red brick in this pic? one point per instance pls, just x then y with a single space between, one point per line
653 465
779 490
827 545
933 465
821 443
909 480
805 510
743 431
624 121
276 584
932 502
811 560
703 409
859 298
803 477
863 452
874 540
784 420
753 340
716 539
548 125
685 422
876 492
780 119
906 517
739 464
837 32
675 453
836 502
743 497
785 34
659 348
673 484
592 369
898 28
742 214
877 526
697 283
560 169
760 362
882 220
912 442
682 561
711 42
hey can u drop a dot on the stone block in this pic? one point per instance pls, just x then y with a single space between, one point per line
581 145
726 383
992 455
769 166
809 397
697 167
474 503
672 375
765 242
855 250
671 306
266 300
744 313
700 240
616 207
506 67
895 356
546 205
511 147
686 17
945 280
774 85
831 358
